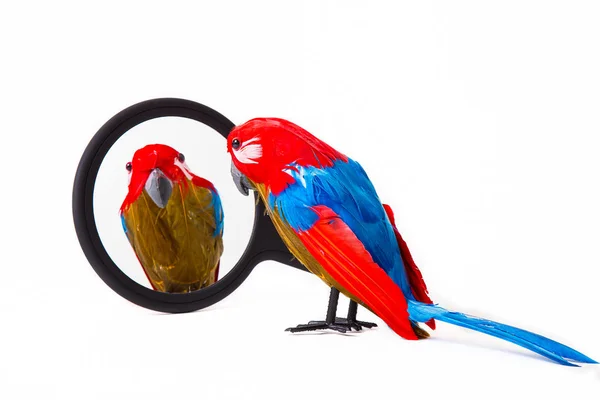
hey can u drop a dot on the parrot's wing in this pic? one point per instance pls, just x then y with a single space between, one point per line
216 205
417 283
333 244
124 224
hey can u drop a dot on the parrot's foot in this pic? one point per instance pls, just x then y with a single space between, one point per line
354 324
341 325
319 326
333 323
351 319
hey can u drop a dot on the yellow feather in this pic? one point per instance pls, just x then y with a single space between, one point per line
175 244
295 245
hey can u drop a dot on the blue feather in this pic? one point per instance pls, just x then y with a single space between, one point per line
348 191
217 212
123 223
558 352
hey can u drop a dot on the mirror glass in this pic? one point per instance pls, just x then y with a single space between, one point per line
166 208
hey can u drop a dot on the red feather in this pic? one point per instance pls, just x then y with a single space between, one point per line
201 182
216 274
282 143
415 278
157 156
333 244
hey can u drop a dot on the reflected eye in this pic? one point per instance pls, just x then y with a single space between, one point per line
235 144
128 167
181 157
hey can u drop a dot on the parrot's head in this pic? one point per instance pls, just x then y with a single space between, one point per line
155 168
267 150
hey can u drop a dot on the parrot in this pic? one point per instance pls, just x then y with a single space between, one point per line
327 212
173 220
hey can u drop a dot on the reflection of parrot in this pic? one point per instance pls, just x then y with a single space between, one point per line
327 212
173 220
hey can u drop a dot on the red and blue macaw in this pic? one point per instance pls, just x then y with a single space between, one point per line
327 211
173 220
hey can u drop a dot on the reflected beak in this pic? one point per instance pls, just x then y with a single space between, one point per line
159 188
240 180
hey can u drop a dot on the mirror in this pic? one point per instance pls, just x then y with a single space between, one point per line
101 186
166 208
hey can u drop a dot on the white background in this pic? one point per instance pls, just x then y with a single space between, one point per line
477 122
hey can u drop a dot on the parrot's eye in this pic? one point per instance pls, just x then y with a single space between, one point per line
235 143
181 157
128 167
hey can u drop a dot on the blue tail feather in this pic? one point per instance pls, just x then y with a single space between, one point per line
551 349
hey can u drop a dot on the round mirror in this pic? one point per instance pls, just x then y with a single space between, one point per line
166 209
156 211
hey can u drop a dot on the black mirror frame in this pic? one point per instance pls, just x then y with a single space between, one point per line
265 243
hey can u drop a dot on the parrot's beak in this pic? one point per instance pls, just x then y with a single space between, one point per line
240 180
159 187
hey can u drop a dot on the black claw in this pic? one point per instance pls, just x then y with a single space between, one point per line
367 325
318 326
358 325
341 325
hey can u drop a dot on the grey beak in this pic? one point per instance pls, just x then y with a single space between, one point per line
240 180
159 188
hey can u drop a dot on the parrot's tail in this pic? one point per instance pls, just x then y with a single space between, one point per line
558 352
